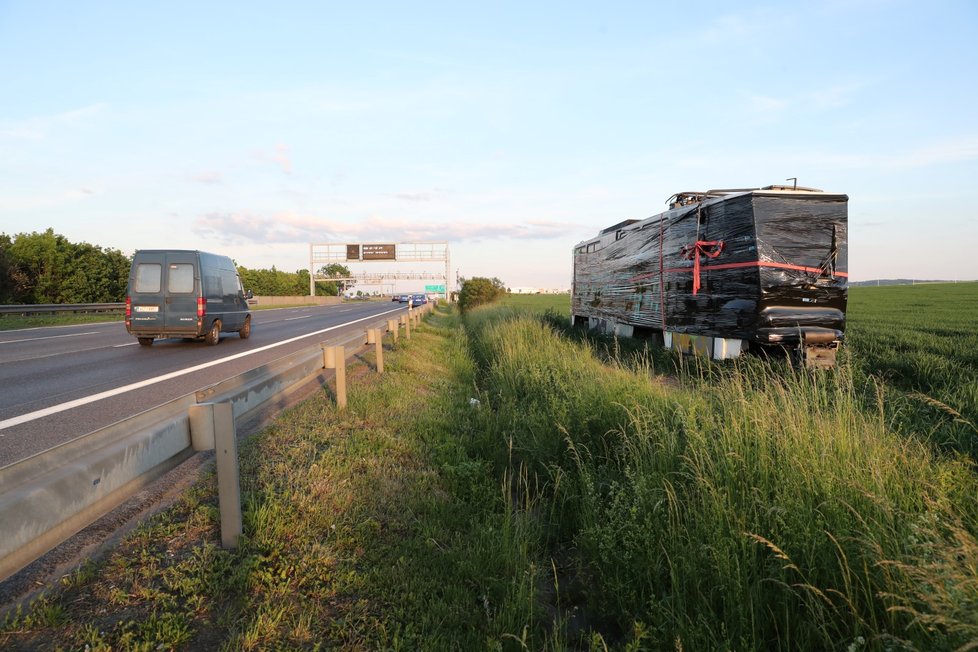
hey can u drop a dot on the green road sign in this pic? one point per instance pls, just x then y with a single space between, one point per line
434 288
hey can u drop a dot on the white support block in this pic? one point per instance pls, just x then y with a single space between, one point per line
726 348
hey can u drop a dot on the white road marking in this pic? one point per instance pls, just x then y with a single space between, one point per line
61 407
47 337
119 346
294 318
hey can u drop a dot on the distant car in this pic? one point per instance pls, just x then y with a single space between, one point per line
402 298
419 299
395 298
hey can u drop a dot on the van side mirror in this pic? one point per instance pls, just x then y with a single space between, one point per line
249 295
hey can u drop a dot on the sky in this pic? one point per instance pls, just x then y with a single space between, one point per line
511 130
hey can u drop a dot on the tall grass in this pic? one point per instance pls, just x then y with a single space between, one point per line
758 508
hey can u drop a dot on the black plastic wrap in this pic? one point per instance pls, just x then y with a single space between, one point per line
762 265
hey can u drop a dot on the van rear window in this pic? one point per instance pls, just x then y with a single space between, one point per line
147 278
181 278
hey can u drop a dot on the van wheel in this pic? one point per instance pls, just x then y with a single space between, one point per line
145 341
245 331
214 334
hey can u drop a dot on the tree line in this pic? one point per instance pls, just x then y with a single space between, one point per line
48 268
276 283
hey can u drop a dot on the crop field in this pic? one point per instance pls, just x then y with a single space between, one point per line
921 341
511 484
539 303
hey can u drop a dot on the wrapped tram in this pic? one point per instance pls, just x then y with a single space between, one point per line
723 271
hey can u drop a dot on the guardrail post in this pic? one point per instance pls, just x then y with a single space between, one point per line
212 424
392 328
374 337
407 326
334 357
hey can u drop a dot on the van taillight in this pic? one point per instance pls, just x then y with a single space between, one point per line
128 307
201 306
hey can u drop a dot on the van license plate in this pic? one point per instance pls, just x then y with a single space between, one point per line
147 308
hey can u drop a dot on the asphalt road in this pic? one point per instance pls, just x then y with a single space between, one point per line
50 378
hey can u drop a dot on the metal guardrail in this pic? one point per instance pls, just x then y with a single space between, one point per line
47 308
50 496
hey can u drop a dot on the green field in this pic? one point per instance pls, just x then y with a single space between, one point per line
921 341
511 484
558 303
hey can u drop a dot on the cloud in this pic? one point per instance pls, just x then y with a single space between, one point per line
280 156
723 29
208 177
37 127
405 230
768 105
413 196
818 99
290 228
948 151
833 97
963 148
420 195
954 150
281 228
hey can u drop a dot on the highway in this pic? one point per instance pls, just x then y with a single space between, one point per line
59 383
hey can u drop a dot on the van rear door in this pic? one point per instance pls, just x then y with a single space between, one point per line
146 292
182 287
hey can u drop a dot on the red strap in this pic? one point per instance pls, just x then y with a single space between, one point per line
662 289
708 248
753 263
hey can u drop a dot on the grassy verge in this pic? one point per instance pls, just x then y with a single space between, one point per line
374 528
14 322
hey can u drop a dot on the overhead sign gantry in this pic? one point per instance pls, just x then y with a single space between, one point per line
403 252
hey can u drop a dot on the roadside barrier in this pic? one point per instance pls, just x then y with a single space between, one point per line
49 308
212 428
47 498
375 337
334 357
